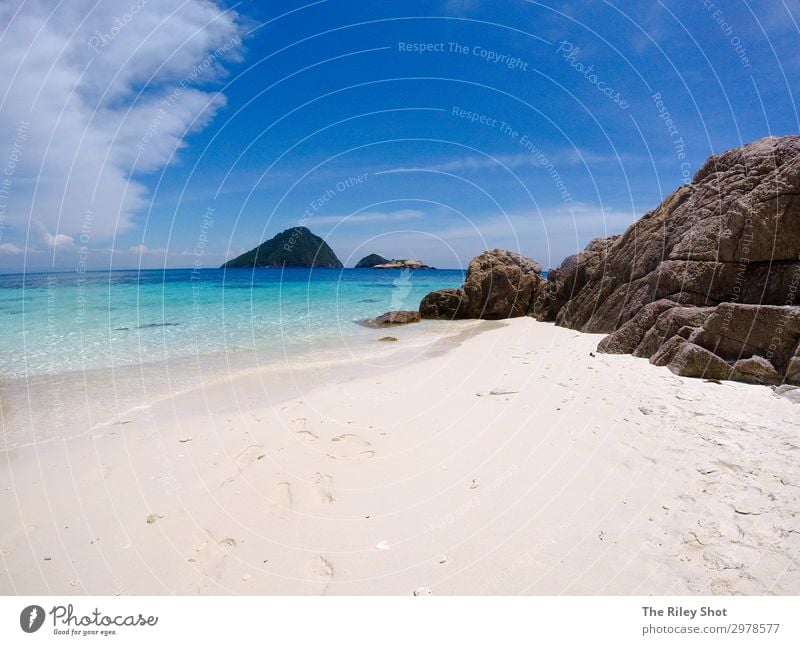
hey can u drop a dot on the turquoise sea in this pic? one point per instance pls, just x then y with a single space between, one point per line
58 323
80 351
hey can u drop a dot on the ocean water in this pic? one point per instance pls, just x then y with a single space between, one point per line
67 323
82 351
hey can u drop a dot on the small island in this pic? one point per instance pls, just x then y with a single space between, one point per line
370 261
399 264
294 247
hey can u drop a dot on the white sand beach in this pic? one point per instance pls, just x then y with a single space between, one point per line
503 458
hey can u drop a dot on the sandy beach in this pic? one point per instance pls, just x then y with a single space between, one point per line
500 458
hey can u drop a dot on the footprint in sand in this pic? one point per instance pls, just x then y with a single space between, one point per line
248 456
281 497
654 410
322 484
298 426
211 556
321 569
351 446
242 460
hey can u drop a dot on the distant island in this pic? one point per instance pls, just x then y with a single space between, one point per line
375 261
294 247
369 261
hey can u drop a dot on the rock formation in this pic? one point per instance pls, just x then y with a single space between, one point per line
732 235
743 342
499 284
294 247
707 284
369 261
572 275
391 318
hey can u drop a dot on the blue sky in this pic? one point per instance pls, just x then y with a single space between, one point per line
137 133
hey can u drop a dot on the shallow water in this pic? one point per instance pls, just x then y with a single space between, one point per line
70 322
81 350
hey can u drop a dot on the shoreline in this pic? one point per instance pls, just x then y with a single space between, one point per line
132 386
584 474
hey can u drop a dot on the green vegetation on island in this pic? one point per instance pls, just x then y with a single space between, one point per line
294 247
370 261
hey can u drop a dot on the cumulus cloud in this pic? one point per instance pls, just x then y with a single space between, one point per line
104 92
10 249
59 241
142 249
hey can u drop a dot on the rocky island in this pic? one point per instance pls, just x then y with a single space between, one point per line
402 264
369 261
294 247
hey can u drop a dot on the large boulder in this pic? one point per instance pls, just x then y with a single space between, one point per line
445 304
732 235
629 336
391 319
713 271
565 281
499 284
756 369
680 321
691 360
759 344
736 331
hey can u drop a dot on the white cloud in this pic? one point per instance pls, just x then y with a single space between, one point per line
10 249
59 241
547 236
477 163
403 215
141 249
74 76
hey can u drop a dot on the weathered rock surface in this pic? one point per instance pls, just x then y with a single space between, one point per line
707 284
499 284
714 271
571 276
755 369
680 321
736 331
732 235
391 319
758 343
629 336
692 360
443 304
